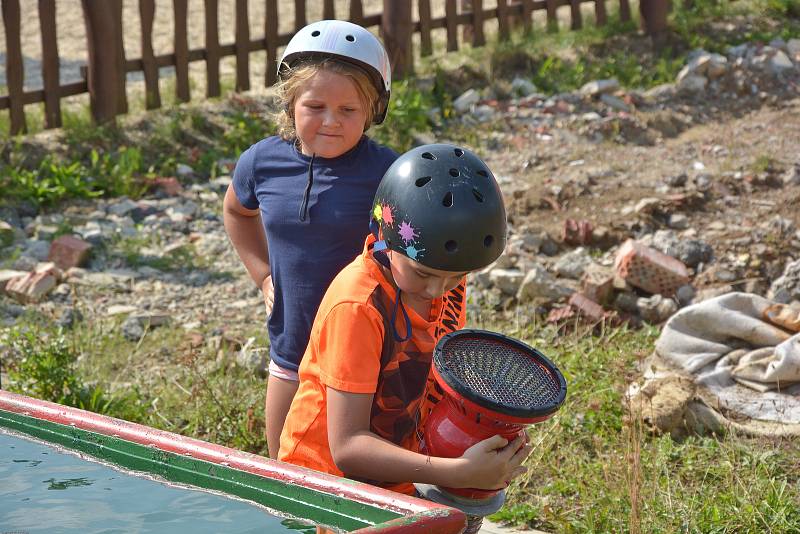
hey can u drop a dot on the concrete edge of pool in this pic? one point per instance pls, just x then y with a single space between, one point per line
300 492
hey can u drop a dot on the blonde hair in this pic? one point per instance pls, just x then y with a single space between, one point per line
291 84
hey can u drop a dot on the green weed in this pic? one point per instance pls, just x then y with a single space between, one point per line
44 367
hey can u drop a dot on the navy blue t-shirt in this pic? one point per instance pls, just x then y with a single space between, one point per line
305 256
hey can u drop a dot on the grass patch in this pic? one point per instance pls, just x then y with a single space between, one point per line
592 469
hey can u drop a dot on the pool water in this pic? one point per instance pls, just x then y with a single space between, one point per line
45 489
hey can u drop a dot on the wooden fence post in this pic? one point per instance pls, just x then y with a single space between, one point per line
654 19
396 29
106 76
271 38
15 74
212 48
50 67
180 11
152 96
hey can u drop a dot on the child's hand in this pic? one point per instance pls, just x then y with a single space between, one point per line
491 464
269 294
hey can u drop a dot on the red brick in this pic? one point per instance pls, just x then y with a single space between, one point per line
7 275
586 307
31 287
560 314
68 251
577 232
169 185
598 283
649 269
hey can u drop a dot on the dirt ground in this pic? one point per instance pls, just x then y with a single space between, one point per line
618 175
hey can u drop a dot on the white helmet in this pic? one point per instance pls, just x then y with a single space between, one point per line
346 41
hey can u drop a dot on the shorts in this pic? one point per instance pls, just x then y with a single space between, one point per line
280 372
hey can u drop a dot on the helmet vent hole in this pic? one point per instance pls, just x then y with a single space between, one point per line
451 246
454 173
315 33
422 181
350 38
477 194
487 241
459 152
447 201
483 173
428 155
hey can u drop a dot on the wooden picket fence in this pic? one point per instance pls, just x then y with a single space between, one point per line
107 66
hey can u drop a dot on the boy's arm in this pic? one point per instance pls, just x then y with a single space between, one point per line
489 464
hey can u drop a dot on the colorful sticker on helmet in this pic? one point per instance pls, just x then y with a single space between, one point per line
387 214
414 253
377 212
407 232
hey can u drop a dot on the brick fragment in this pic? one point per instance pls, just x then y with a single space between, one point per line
598 283
577 233
31 287
649 269
69 251
586 307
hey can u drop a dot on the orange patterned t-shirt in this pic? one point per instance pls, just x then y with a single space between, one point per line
352 349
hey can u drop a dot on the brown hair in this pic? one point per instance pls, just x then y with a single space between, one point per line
291 84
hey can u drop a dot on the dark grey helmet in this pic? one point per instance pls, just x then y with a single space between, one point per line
441 206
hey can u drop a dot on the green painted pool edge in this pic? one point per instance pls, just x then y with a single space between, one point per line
298 501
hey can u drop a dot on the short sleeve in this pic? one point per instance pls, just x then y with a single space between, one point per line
244 184
349 348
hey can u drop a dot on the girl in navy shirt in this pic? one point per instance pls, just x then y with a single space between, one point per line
298 208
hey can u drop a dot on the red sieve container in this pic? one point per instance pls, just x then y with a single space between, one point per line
493 384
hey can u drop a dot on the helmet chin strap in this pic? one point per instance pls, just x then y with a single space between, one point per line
380 251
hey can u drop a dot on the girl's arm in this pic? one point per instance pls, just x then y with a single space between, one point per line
489 464
246 232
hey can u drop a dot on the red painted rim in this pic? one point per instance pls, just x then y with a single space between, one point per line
421 515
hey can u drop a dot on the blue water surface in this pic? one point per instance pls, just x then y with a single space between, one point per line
44 489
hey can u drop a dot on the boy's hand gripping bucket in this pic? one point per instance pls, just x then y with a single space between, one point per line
493 384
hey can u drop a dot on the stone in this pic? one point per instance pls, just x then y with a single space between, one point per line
120 309
787 286
523 87
780 63
693 84
170 186
677 180
597 87
678 221
253 359
69 317
573 263
685 294
540 284
626 302
466 100
184 171
507 280
615 102
37 248
122 207
793 48
132 329
7 234
792 176
656 309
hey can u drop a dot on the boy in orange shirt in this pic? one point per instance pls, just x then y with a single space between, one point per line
365 385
